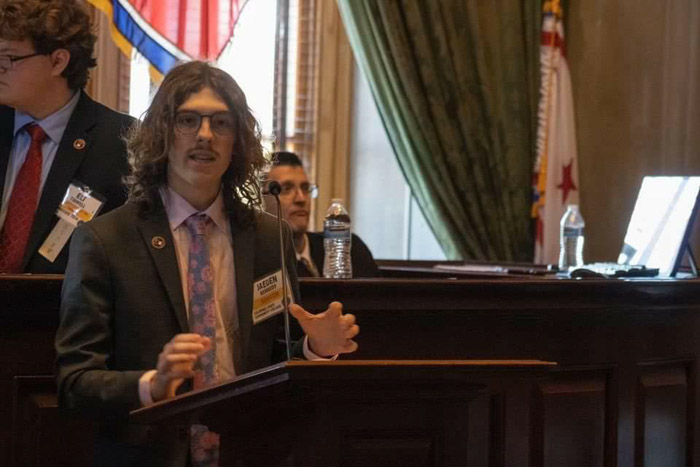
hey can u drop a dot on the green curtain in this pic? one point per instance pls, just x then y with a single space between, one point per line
456 84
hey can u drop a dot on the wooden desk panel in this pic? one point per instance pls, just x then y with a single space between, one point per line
625 392
29 317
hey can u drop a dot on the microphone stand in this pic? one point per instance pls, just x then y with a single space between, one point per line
275 189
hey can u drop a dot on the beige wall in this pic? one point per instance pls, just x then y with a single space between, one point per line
636 78
109 80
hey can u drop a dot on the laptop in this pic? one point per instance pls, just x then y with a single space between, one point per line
659 230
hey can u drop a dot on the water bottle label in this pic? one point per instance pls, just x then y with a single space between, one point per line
570 232
337 233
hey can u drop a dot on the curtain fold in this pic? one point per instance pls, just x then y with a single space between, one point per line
456 86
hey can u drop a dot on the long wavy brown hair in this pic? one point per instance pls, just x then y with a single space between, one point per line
150 141
50 25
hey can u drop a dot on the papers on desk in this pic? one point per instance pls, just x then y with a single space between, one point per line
471 268
518 269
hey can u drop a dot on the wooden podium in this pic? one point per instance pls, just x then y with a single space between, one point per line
352 413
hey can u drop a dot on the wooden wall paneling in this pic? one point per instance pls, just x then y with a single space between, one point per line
662 437
595 329
39 429
694 418
29 315
483 430
582 396
626 380
396 430
433 425
406 436
517 430
634 67
110 79
330 166
497 451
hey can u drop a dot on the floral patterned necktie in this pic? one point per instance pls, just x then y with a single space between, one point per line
204 444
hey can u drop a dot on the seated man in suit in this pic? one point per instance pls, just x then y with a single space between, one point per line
295 201
52 135
159 294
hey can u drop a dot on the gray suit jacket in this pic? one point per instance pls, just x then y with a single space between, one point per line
122 300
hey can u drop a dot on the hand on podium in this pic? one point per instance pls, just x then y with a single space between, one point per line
331 332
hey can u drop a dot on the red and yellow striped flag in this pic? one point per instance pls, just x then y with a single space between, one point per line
555 179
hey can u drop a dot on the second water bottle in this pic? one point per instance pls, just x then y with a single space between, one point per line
337 241
571 239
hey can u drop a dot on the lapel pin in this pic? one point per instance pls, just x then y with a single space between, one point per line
158 242
79 144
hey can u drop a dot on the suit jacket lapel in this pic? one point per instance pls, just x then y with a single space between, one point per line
7 125
165 259
244 264
316 250
62 171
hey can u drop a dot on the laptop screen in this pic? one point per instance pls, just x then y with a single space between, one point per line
661 222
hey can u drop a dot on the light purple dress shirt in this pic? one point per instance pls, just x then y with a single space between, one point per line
220 245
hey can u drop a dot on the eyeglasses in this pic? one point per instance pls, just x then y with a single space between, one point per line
289 189
189 123
7 62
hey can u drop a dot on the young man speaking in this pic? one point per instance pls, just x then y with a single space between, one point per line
158 294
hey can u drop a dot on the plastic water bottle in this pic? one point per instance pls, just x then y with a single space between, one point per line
571 239
337 242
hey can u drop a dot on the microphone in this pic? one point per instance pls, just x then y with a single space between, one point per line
274 189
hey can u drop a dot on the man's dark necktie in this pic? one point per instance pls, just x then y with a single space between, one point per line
305 268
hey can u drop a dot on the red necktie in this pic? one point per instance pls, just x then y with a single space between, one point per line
22 205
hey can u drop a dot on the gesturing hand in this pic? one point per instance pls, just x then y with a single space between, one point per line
175 363
331 332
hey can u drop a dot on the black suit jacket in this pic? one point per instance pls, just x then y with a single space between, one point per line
122 300
100 164
363 264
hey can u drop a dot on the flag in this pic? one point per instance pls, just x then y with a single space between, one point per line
169 31
555 178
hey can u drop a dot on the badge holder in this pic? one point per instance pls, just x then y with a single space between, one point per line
268 293
80 204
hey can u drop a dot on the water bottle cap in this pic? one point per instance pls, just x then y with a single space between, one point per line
337 200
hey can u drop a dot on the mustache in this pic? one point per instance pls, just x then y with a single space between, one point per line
202 149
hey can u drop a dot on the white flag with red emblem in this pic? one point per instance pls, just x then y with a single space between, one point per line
555 181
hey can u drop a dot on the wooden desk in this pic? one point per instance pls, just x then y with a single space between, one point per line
625 392
349 413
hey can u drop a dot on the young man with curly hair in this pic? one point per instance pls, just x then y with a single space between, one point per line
158 294
51 133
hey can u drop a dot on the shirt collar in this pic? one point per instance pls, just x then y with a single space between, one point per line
306 252
178 209
54 125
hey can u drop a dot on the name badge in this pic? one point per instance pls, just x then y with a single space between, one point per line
267 297
80 204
